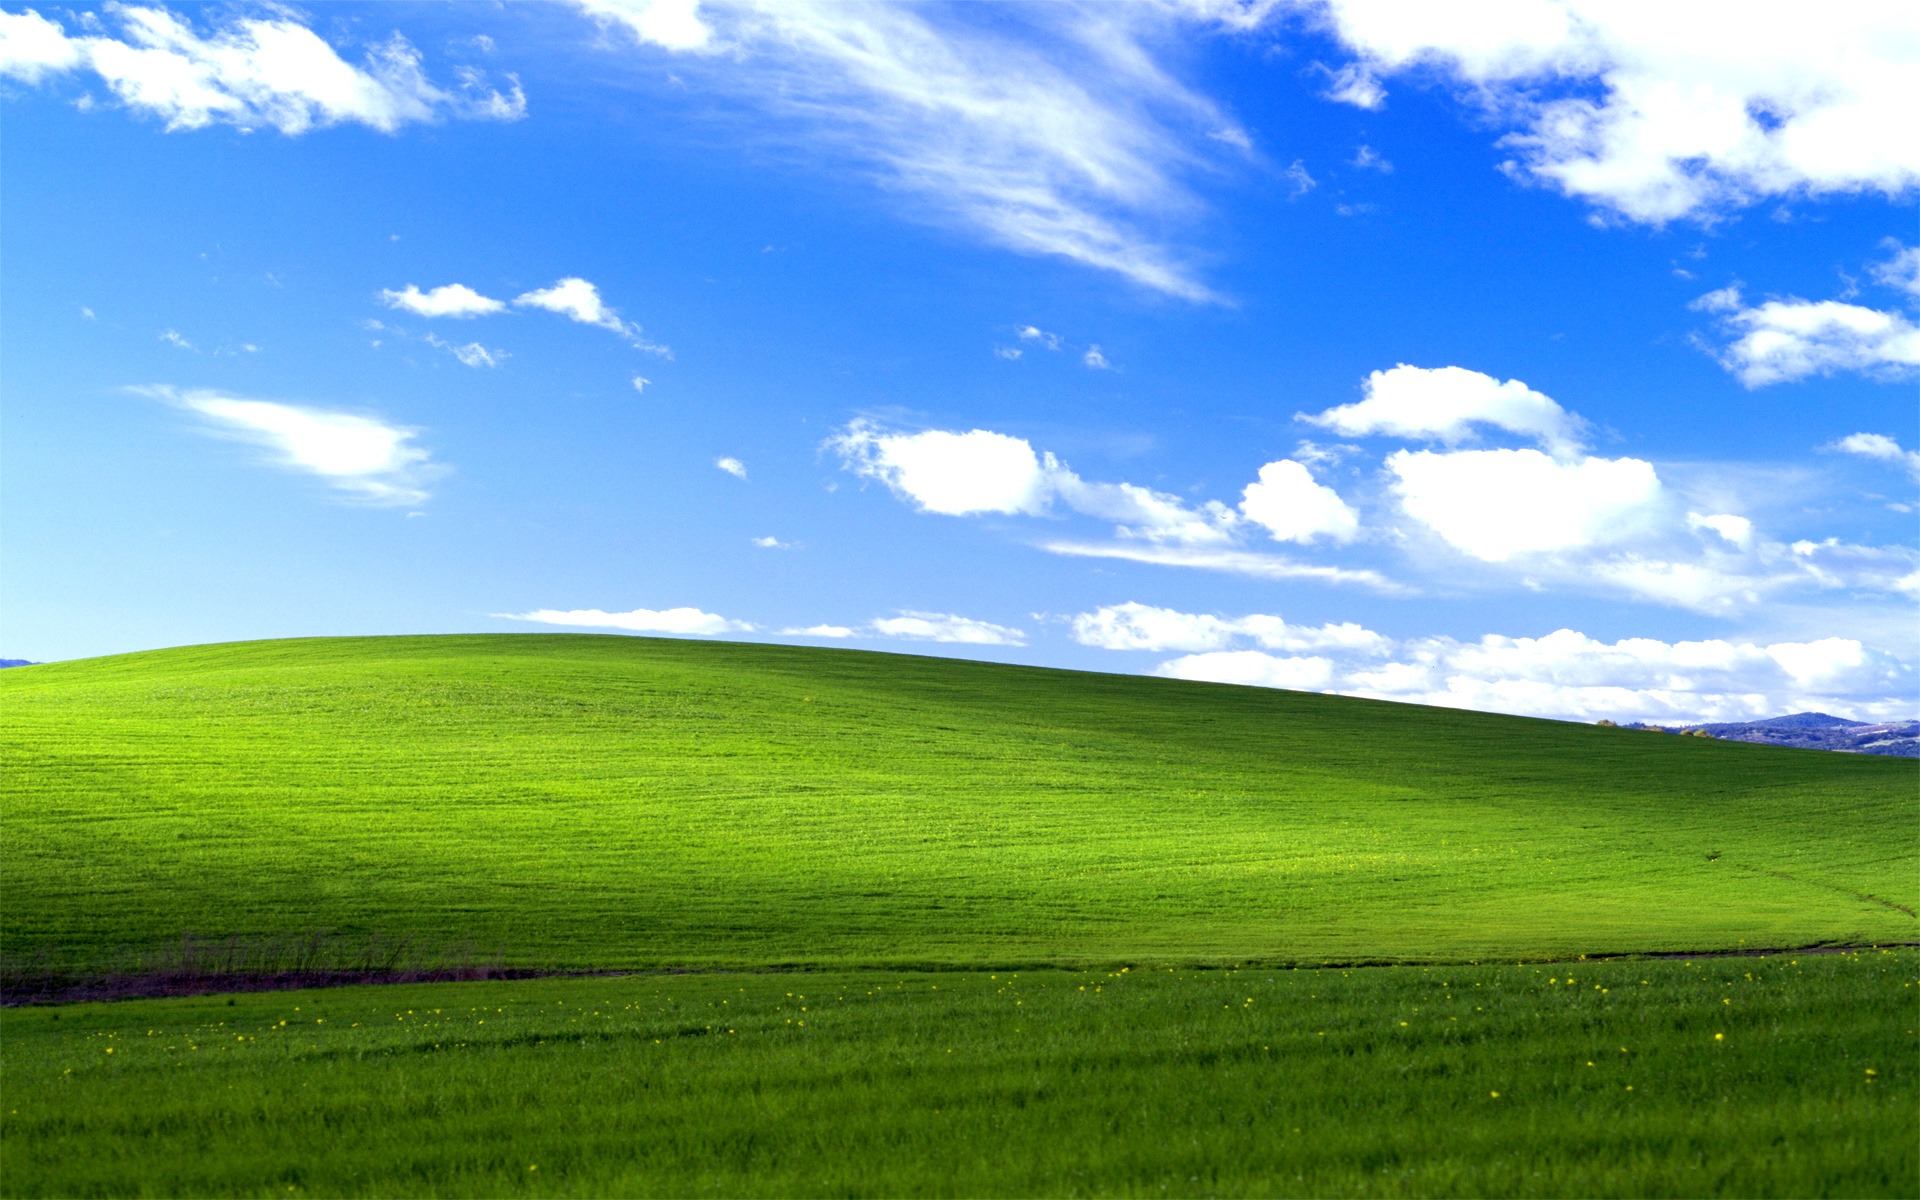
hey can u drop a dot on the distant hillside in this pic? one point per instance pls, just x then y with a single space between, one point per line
16 662
576 801
1816 731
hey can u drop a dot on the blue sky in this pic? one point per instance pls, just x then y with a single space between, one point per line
1549 358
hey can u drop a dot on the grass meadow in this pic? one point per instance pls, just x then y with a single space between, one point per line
889 925
565 801
1791 1075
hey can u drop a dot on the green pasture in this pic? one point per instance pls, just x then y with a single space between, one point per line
614 802
1793 1075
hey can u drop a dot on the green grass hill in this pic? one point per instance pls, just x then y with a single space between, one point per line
604 802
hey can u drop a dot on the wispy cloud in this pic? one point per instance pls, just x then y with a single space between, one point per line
251 73
1233 562
473 354
1052 131
363 456
732 466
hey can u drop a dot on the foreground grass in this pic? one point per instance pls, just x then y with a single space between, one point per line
1780 1076
594 802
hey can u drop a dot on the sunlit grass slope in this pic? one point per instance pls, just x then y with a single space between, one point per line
572 801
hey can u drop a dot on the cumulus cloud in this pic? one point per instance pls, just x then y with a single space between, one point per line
1447 404
1047 131
980 471
1880 447
447 300
1661 112
363 456
578 300
732 466
820 631
250 73
1565 674
1735 529
1778 341
639 620
1291 506
1496 504
946 627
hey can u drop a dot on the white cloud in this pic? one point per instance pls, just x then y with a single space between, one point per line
1252 668
732 466
1047 131
820 631
1368 159
1299 180
640 383
672 24
946 627
1033 333
981 471
1902 271
1782 340
639 620
86 314
249 73
1010 353
578 300
1094 359
172 338
1496 504
1133 626
447 300
362 456
1882 448
1446 403
1565 674
1233 562
1657 112
1735 529
951 473
1292 507
473 354
772 543
32 46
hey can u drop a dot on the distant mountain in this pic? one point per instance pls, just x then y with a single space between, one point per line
16 662
1815 731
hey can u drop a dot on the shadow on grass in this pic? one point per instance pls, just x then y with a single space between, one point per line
194 966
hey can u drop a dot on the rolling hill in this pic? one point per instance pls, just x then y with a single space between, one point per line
559 801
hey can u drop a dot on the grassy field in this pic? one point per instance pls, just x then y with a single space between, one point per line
956 928
1782 1076
573 801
